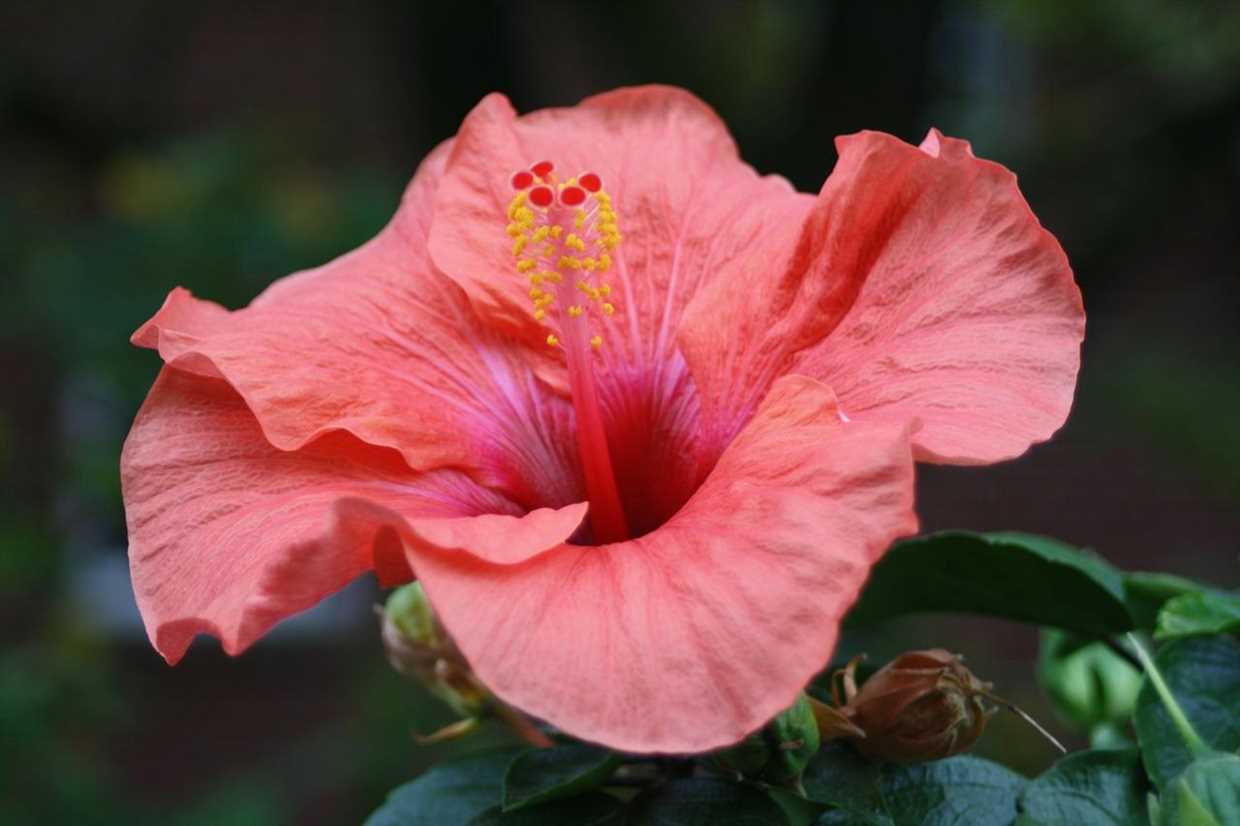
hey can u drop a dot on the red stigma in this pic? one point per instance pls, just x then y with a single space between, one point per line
542 169
541 196
572 196
522 179
590 182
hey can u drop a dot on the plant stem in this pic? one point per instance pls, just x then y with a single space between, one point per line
1196 746
1121 651
523 726
1028 718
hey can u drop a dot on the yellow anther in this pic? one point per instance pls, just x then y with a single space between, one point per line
536 278
514 230
524 216
569 262
596 342
540 314
517 202
574 310
541 234
580 219
609 309
554 277
518 246
535 292
602 197
549 251
546 300
584 286
604 290
575 243
604 262
526 264
589 263
557 231
552 340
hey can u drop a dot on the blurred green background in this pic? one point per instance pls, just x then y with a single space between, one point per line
222 145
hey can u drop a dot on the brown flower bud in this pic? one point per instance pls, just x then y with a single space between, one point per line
923 705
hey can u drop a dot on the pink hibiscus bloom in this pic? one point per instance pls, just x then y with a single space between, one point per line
638 418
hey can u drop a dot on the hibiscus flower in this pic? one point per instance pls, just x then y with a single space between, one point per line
639 419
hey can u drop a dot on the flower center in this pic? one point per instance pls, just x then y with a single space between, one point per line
563 236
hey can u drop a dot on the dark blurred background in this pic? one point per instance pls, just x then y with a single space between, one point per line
222 145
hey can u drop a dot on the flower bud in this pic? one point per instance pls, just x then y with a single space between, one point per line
417 646
923 705
779 752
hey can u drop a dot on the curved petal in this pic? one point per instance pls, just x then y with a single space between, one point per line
677 182
696 634
229 535
948 302
378 344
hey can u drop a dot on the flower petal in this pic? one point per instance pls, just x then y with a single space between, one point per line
229 535
692 636
676 179
938 296
379 344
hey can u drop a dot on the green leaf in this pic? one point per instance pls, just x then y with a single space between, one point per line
948 792
1088 787
1206 794
589 809
1146 593
705 801
453 792
1088 683
841 777
1203 674
1204 612
954 791
797 810
1011 575
539 775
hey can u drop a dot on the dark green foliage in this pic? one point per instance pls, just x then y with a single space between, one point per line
1102 786
540 775
1203 674
1010 575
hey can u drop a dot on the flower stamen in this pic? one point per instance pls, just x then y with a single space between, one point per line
572 228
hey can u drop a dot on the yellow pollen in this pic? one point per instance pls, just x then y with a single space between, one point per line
548 242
